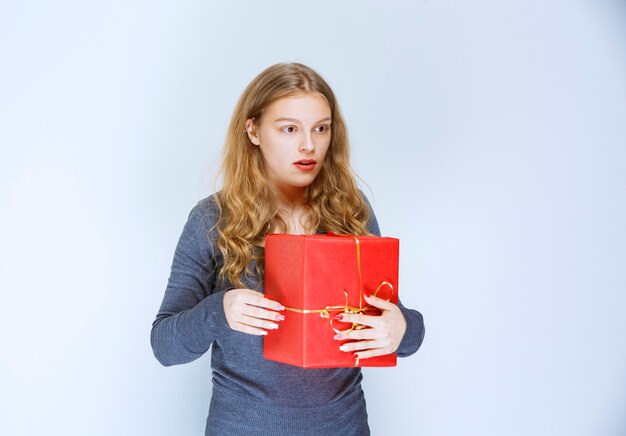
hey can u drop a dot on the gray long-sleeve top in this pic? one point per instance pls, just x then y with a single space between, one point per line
191 319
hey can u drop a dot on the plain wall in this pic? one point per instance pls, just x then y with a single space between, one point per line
491 136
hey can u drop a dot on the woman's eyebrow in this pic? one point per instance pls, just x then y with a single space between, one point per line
293 120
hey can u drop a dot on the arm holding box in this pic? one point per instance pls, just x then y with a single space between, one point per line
414 333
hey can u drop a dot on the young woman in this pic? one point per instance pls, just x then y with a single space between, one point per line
285 170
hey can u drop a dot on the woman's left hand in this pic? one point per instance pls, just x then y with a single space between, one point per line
384 332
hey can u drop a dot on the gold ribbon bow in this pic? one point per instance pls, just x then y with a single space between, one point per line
325 312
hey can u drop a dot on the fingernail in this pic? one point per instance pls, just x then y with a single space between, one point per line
280 317
355 356
367 295
338 317
273 326
281 307
263 332
343 348
337 336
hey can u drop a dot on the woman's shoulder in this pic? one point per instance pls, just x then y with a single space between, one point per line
372 223
205 213
208 203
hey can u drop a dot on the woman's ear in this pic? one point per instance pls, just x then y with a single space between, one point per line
252 131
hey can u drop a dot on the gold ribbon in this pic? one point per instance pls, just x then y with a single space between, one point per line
325 312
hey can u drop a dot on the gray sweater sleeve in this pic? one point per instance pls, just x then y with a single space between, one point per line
191 316
414 334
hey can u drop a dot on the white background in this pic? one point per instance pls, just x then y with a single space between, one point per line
491 135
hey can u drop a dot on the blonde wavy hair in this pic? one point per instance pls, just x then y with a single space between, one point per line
247 204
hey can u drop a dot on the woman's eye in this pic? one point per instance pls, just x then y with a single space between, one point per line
323 129
289 129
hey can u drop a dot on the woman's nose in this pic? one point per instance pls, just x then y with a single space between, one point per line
307 144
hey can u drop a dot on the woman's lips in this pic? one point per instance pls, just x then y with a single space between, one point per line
306 164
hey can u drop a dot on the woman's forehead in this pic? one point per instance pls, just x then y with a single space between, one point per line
300 107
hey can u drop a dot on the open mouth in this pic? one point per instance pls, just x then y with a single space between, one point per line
306 164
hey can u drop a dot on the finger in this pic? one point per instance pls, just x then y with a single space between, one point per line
362 345
244 328
257 299
379 302
359 318
359 334
256 322
370 353
258 312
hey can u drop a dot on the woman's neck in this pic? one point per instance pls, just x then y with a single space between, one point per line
293 210
290 200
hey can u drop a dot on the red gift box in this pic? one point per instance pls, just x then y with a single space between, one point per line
317 277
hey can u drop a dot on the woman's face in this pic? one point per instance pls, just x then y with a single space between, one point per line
294 136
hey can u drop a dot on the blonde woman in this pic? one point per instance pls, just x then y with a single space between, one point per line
285 170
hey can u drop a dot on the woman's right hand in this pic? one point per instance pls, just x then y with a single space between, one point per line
250 312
